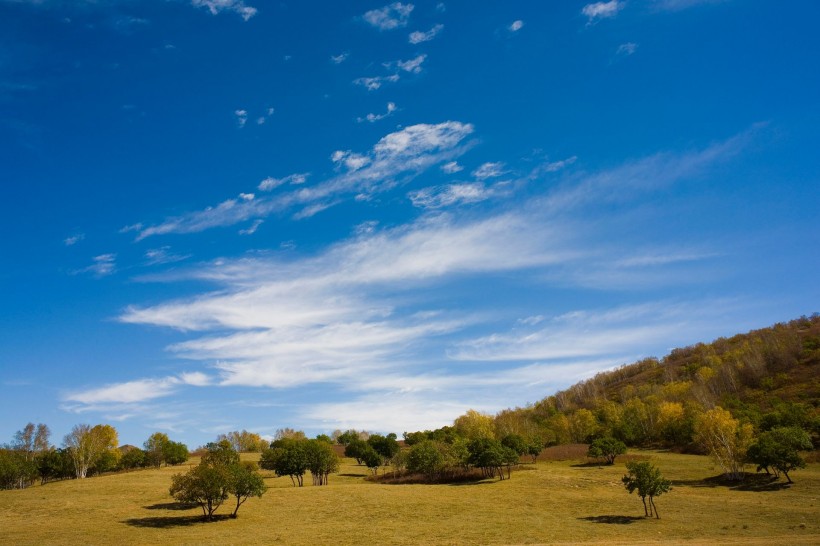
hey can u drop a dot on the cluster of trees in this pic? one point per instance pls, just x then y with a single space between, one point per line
754 384
86 451
219 476
294 457
373 452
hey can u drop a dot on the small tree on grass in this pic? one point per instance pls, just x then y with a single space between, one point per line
606 448
371 459
219 476
205 485
647 480
778 449
245 483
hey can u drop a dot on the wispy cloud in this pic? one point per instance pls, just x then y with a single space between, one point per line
627 49
102 266
602 10
418 37
375 82
450 194
163 255
217 6
372 118
412 65
130 392
516 25
489 170
74 239
340 58
407 152
271 183
250 230
451 167
389 17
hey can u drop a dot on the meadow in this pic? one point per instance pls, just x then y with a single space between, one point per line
552 501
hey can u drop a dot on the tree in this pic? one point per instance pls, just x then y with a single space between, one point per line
647 480
32 440
516 442
725 439
779 449
426 458
175 453
245 482
582 426
87 444
287 459
606 448
321 461
219 475
386 446
55 464
155 448
355 449
473 425
244 441
205 485
371 459
490 456
133 458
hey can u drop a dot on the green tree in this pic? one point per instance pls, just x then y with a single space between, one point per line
175 453
606 448
289 458
321 461
356 448
244 441
427 458
245 483
647 480
155 448
220 453
386 446
133 458
371 459
779 449
516 442
206 485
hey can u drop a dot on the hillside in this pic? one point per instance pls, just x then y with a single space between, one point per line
768 377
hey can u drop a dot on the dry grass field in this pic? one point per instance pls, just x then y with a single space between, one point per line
554 501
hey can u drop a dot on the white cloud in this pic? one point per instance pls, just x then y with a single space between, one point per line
389 17
489 170
241 117
74 239
102 266
602 10
271 183
217 6
406 152
375 82
163 255
372 118
250 230
452 167
340 58
627 49
516 25
448 195
558 165
412 65
418 37
131 392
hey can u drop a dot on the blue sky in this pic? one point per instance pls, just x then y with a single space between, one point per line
227 214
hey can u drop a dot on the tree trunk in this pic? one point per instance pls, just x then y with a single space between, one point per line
652 503
645 510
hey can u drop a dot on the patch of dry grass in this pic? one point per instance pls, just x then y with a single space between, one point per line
559 501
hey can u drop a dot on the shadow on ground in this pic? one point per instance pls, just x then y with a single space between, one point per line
172 506
749 482
172 521
613 520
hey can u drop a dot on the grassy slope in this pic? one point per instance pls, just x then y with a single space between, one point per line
551 502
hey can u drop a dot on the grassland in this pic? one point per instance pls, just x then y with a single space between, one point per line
550 502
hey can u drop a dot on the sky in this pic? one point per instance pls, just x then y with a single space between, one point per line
244 214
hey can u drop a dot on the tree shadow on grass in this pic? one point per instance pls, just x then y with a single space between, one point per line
172 506
173 521
749 482
592 464
353 475
613 520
